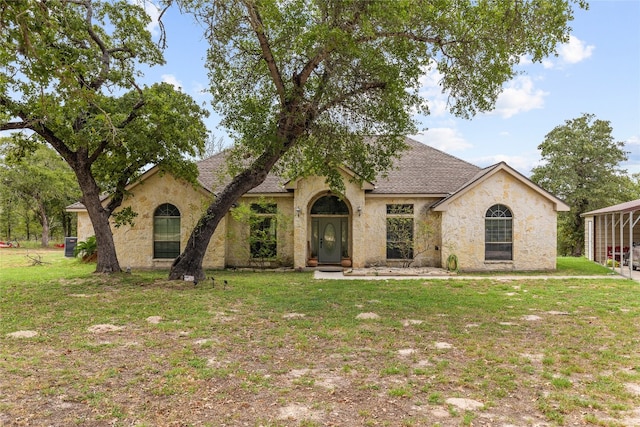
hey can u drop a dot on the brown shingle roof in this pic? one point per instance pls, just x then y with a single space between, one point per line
421 169
425 170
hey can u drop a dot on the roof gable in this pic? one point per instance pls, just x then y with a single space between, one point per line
490 171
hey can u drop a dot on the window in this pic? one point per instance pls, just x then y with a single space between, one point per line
166 231
263 233
400 231
498 234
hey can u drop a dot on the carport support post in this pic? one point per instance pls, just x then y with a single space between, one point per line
630 244
613 241
621 241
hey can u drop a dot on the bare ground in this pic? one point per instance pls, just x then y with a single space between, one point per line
249 371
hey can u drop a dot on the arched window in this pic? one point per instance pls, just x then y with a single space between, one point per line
166 231
498 234
329 205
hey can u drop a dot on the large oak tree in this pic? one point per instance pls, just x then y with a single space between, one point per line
69 78
299 84
581 165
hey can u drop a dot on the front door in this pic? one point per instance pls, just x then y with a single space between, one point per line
329 240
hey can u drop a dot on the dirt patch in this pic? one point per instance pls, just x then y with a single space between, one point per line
104 328
367 316
23 334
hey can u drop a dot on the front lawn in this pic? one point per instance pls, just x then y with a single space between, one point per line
283 349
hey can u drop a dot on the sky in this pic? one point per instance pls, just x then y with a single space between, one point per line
597 72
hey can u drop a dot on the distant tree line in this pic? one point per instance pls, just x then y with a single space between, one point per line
36 189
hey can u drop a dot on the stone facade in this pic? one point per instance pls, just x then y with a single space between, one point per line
534 225
444 225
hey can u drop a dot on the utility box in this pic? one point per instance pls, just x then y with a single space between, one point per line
70 246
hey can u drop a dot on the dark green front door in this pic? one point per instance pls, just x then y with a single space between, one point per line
329 241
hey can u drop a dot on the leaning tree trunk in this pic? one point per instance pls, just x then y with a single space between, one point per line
189 262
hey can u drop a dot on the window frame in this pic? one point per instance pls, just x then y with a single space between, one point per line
264 219
498 233
168 217
402 213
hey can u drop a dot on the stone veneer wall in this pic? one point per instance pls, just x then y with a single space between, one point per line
427 237
534 226
309 190
85 228
134 245
238 251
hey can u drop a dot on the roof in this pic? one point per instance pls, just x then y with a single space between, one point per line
631 206
489 171
425 170
420 169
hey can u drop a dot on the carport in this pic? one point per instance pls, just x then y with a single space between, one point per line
611 233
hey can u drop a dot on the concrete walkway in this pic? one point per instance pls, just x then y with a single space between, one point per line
335 275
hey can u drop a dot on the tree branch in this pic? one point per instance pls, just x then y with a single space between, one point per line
256 23
357 91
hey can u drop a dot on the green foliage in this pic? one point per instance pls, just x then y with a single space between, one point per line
452 263
86 248
68 79
36 188
312 79
124 217
303 85
582 167
261 223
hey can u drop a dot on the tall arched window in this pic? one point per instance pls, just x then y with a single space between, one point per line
498 234
166 231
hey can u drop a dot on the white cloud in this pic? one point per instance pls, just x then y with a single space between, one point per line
431 90
172 80
153 12
574 51
519 96
200 91
444 139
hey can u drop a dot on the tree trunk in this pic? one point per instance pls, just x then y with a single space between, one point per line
44 221
107 257
189 262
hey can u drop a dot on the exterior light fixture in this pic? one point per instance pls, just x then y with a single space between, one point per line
359 210
298 210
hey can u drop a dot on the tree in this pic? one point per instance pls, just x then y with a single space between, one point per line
582 167
301 84
68 79
40 179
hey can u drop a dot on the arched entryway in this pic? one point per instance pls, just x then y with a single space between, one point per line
330 225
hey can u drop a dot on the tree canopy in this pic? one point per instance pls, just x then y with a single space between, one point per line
581 165
301 84
38 184
70 79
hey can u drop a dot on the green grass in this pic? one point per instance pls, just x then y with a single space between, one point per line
579 266
237 357
565 266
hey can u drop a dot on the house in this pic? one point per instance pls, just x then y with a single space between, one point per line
429 207
613 233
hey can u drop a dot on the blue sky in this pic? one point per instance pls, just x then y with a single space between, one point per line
596 72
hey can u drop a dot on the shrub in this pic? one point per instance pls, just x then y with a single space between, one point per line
88 249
